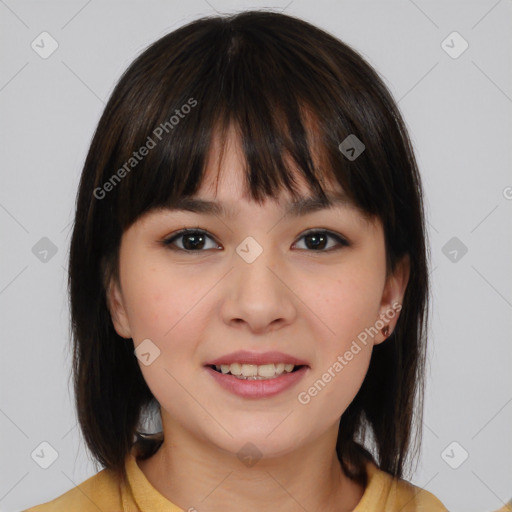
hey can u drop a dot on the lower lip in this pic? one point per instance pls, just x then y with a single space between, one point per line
258 388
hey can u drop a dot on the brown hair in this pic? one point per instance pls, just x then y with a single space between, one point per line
281 82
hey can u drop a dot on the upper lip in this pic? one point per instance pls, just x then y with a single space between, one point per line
257 358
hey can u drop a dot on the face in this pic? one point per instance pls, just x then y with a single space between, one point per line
312 287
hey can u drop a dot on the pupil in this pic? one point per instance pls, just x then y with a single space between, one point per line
317 237
195 240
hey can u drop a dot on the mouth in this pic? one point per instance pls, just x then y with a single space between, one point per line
250 374
245 371
256 381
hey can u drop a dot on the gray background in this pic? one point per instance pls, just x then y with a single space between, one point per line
458 111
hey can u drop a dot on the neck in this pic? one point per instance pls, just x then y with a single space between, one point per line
194 475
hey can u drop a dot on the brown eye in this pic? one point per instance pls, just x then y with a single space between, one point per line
196 240
318 240
191 241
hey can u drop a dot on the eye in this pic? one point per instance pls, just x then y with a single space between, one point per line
193 240
317 239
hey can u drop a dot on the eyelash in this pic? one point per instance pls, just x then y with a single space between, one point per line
169 242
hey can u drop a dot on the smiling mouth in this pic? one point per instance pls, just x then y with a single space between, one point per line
256 372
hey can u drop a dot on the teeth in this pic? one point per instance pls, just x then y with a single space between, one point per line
235 368
255 372
266 370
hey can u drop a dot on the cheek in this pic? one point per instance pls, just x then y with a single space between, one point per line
158 300
342 383
166 307
163 307
147 297
346 305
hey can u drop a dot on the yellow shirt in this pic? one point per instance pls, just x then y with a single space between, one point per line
506 508
103 492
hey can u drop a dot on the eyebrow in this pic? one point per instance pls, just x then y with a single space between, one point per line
296 208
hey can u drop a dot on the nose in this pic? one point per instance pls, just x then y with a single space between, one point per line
258 296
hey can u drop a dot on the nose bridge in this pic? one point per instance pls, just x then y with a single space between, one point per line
254 262
258 297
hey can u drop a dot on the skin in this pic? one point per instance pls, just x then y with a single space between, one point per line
196 306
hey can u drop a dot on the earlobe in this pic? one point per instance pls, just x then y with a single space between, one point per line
117 310
392 298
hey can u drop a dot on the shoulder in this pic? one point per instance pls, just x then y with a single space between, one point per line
409 498
506 508
99 492
389 494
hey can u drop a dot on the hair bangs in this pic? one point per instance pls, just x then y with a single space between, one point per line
283 125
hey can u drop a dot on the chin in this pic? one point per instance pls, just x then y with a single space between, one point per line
257 442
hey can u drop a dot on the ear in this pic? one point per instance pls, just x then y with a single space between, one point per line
392 298
117 309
